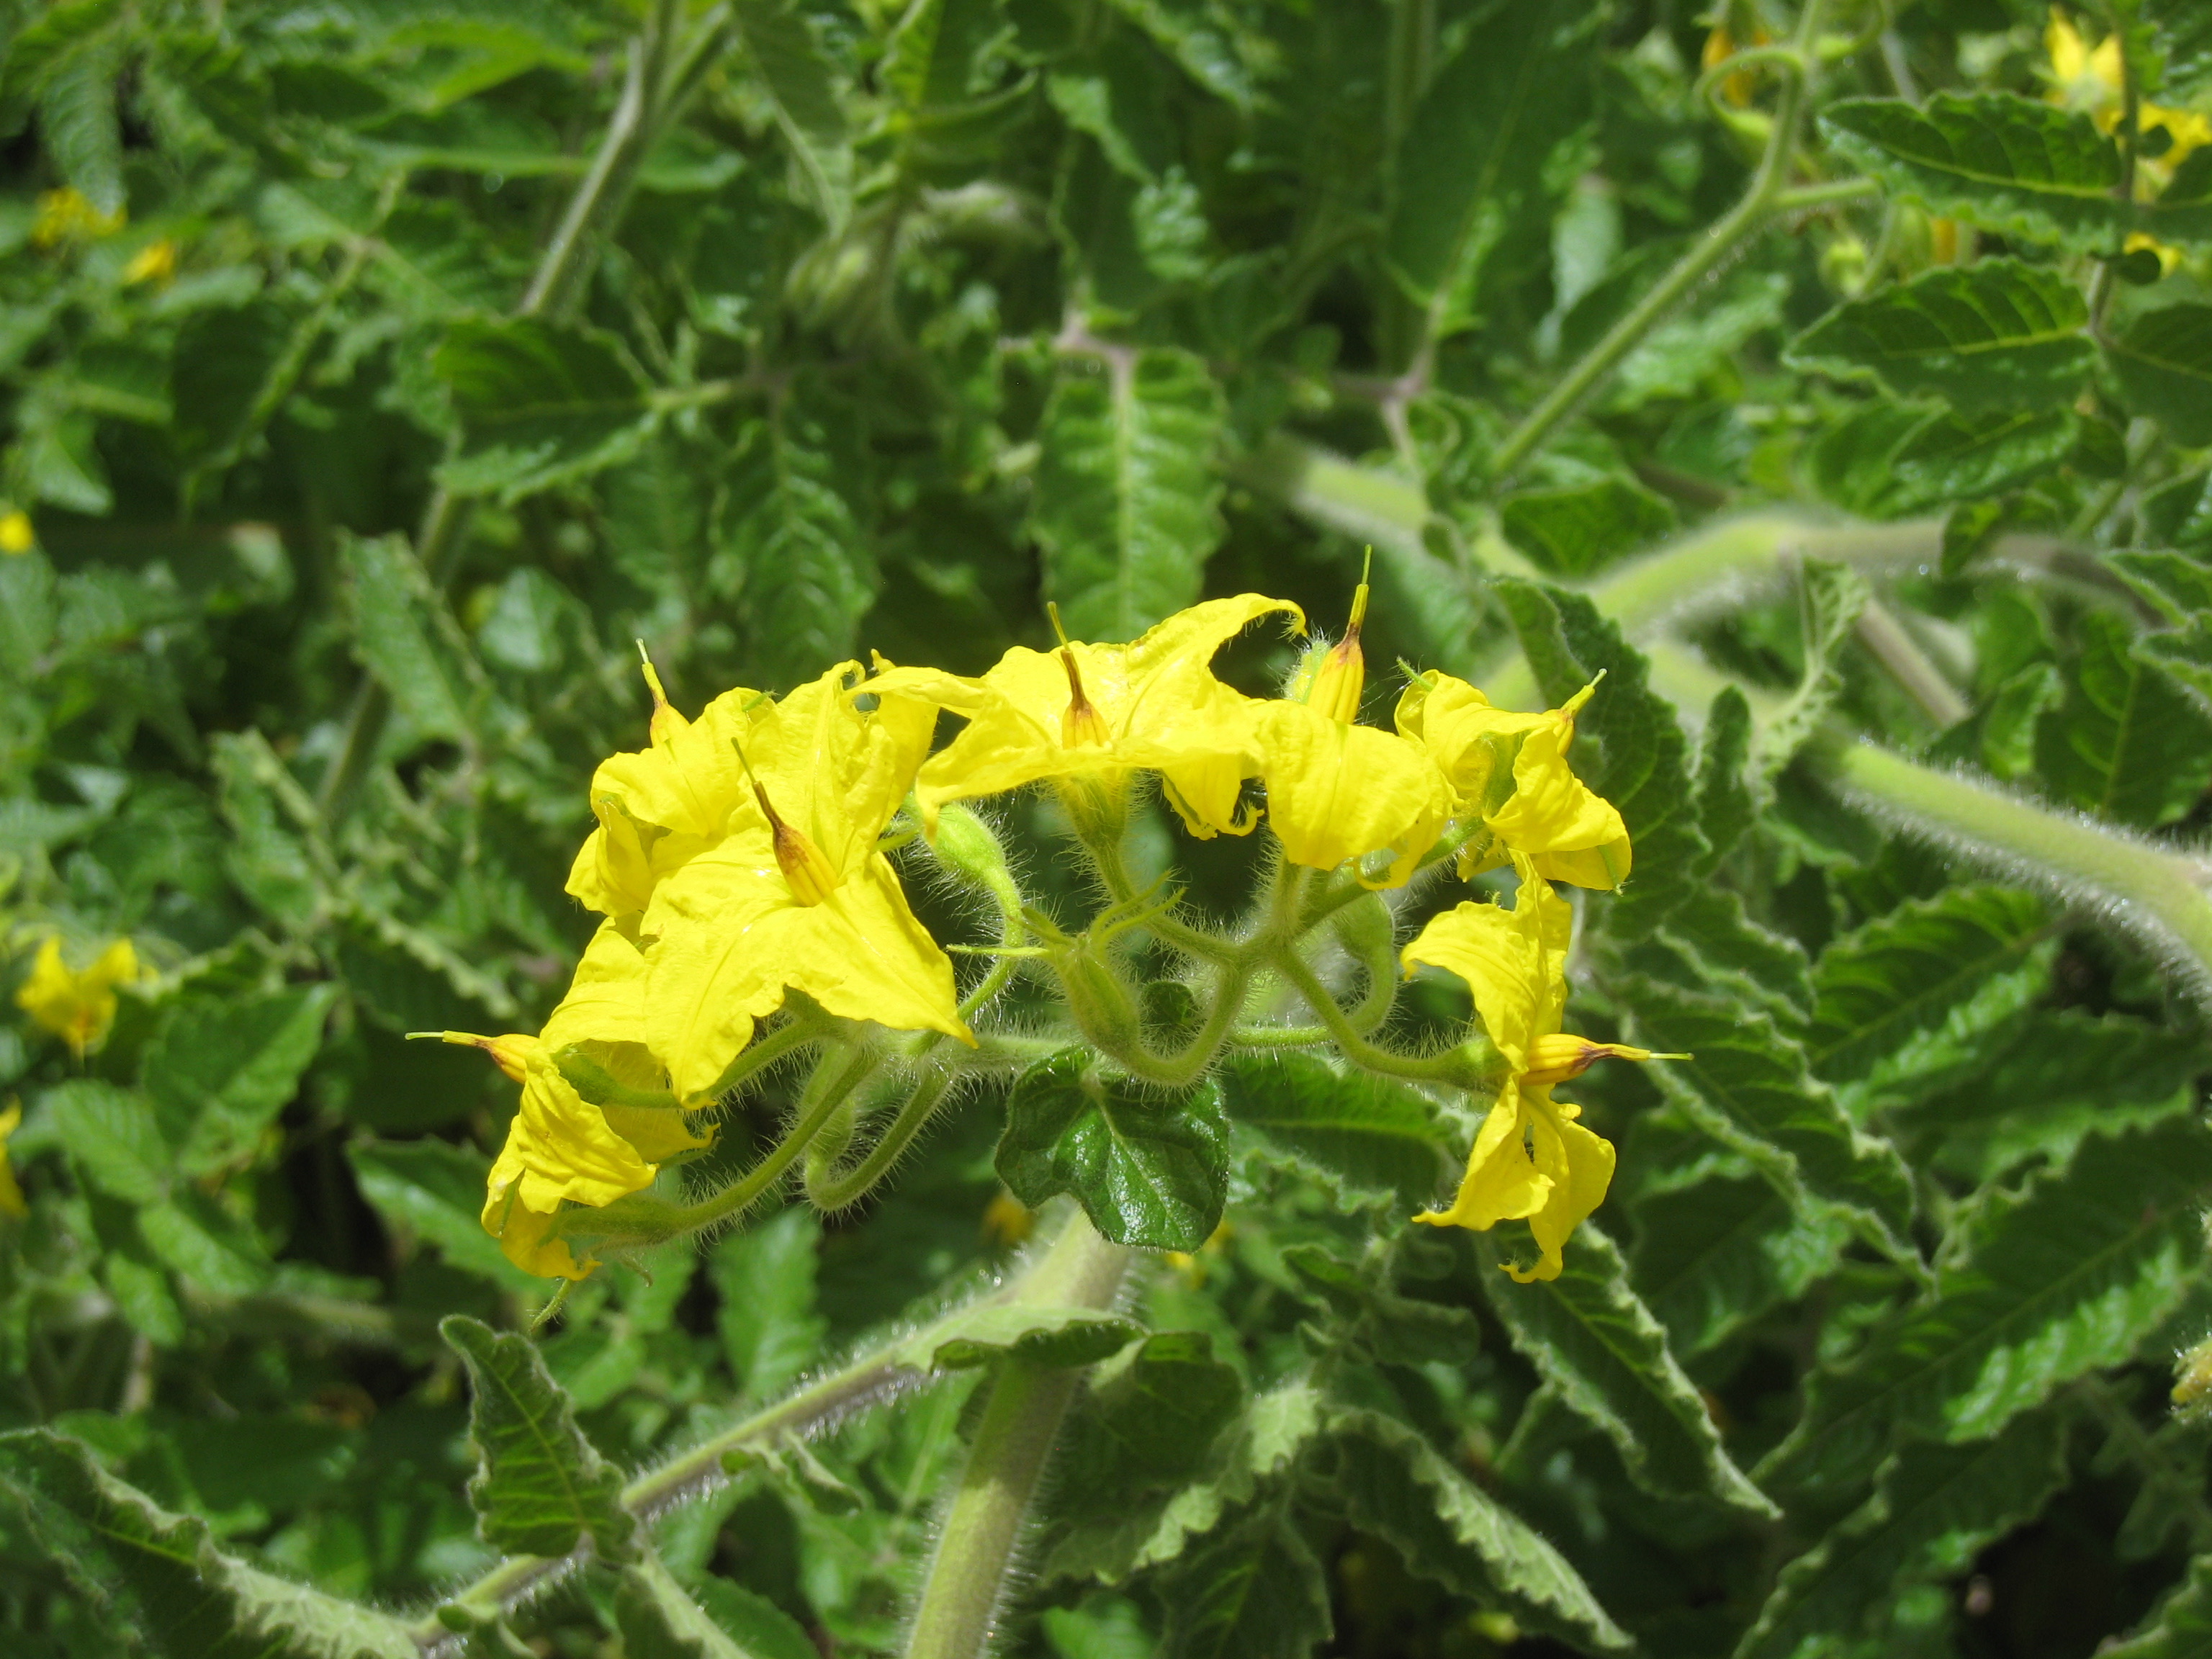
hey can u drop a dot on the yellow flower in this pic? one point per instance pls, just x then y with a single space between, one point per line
156 262
1337 790
2090 80
11 1195
77 1008
1101 712
1720 45
792 893
1531 1159
16 534
66 216
1511 771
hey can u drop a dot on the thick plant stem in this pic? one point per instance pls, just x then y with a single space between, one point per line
2160 896
831 1189
975 1562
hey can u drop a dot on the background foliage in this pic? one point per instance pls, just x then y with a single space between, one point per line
395 366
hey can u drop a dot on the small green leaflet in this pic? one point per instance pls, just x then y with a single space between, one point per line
539 1485
2127 743
539 403
1714 1255
1372 1139
1576 531
2164 362
660 1619
1254 1592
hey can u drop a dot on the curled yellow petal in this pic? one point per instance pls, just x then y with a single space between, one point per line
1337 792
77 1005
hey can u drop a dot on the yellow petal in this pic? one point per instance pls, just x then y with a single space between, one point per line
1502 1182
1338 791
566 1147
1579 1164
1573 835
11 1195
1488 946
525 1234
76 1006
606 1002
1467 738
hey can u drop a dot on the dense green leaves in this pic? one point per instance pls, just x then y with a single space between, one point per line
1995 335
1255 1592
2164 362
540 1485
539 402
1712 1256
2125 743
1368 1137
1148 1168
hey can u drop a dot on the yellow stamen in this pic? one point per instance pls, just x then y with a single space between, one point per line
1081 722
510 1052
666 724
1562 1056
1342 676
805 871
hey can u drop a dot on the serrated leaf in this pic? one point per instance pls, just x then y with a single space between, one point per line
1996 335
222 1068
539 402
407 638
2164 362
540 1487
660 1619
196 1240
1128 503
1149 1168
1629 745
2126 743
1396 1330
1149 1417
1589 1335
434 1189
2027 169
1372 1139
1714 945
1934 1509
1967 457
1726 807
802 86
160 1575
1394 1485
1902 974
1033 1333
2063 1281
1749 1087
1255 1592
78 122
789 540
769 1330
1474 173
1830 597
115 1137
1576 531
1712 1256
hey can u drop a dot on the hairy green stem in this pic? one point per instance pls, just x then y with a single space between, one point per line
975 1561
1470 1066
827 1091
831 1189
2160 896
1714 249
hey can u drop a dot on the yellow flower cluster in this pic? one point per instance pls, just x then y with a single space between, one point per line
739 859
2092 81
77 1005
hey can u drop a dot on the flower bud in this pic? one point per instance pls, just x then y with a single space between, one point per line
1341 675
510 1052
666 725
965 845
1562 1056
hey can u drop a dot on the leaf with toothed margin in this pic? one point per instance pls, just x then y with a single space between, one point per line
1037 1334
660 1620
1715 1254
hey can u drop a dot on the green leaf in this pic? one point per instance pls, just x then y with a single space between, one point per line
767 1321
1830 597
1396 1330
540 1485
1476 175
223 1068
1255 1592
2127 743
1033 1333
790 541
1996 335
1149 1168
1748 1086
1128 503
115 1137
197 1240
225 359
1591 1337
1149 1416
539 403
802 86
78 122
1394 1485
2164 362
1726 806
2182 1627
2025 168
1902 975
1934 1509
1713 1256
658 1619
2016 709
1962 457
1373 1140
408 639
2062 1280
1574 533
160 1576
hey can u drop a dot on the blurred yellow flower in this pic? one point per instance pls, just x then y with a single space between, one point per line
792 892
1530 1158
11 1195
17 534
1720 45
154 263
1510 770
2090 80
1102 712
66 216
78 1006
